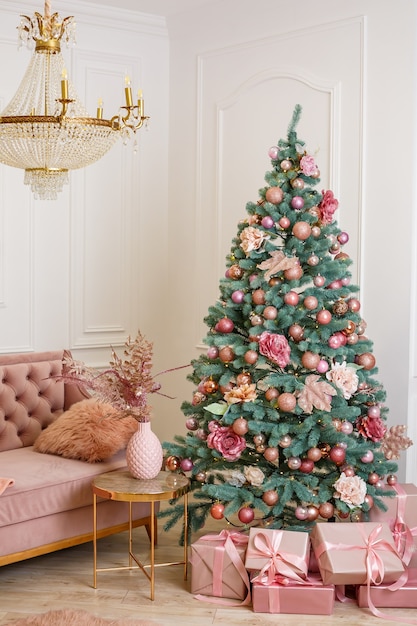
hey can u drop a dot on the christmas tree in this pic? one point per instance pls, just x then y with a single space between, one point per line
287 423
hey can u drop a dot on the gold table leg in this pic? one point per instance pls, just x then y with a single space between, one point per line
95 541
152 550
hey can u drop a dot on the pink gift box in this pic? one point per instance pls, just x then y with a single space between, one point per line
401 516
317 599
218 566
381 596
341 551
274 552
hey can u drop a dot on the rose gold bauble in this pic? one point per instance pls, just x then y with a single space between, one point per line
217 511
326 510
324 317
201 477
291 298
285 441
350 328
172 463
274 281
235 272
325 449
293 273
301 230
310 303
270 497
258 296
210 386
297 183
312 513
256 320
354 304
250 357
286 402
366 360
270 313
271 454
244 378
340 307
226 354
240 426
274 195
314 454
246 514
271 394
285 165
310 360
296 332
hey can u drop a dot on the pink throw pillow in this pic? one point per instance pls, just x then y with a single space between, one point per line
90 431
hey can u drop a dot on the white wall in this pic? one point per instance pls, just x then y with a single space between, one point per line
236 67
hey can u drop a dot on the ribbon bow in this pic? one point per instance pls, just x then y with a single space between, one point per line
280 564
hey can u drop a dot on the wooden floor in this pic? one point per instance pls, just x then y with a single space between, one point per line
64 580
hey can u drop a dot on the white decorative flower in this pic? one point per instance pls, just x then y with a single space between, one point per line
237 479
344 377
351 490
254 475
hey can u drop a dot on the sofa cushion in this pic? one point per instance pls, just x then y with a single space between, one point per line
45 484
90 431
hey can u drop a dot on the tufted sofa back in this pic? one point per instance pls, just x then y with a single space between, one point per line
31 397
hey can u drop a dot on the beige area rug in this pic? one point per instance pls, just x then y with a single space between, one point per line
75 618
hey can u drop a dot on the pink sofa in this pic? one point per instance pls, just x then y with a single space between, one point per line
48 505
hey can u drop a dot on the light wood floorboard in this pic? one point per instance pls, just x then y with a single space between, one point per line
64 580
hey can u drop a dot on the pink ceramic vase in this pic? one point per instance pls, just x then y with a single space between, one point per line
144 453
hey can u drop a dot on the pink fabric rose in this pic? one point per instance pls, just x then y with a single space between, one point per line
351 490
252 239
372 428
344 377
327 207
226 441
308 165
275 347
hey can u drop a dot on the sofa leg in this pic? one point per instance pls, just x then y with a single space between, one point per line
148 529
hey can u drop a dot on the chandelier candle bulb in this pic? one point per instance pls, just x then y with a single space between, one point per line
128 92
100 109
64 85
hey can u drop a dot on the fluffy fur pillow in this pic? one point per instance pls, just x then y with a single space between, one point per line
90 431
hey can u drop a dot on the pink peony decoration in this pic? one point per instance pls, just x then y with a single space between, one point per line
308 165
226 441
351 490
275 347
252 239
327 207
344 377
372 428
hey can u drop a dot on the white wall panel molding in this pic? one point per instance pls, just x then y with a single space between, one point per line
245 97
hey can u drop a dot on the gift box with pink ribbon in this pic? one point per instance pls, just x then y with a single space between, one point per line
310 597
360 553
401 516
218 572
278 552
382 596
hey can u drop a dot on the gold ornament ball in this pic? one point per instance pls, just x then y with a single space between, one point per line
172 463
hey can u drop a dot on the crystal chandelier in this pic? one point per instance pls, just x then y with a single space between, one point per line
45 129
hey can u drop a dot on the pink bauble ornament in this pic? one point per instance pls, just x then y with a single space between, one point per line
259 439
226 354
324 317
285 165
301 513
273 152
285 441
366 360
349 471
235 272
368 457
345 281
297 202
391 480
191 423
374 411
274 195
337 455
291 298
294 462
301 230
201 477
297 183
256 320
286 402
334 342
224 325
307 466
258 296
342 338
271 454
310 303
250 357
352 339
284 222
314 454
334 248
237 296
316 231
346 427
212 352
267 221
354 304
379 485
313 260
319 280
270 312
293 273
296 332
187 465
270 497
335 284
217 511
240 426
246 514
343 238
373 478
368 500
312 513
322 366
244 378
326 510
201 434
271 394
310 360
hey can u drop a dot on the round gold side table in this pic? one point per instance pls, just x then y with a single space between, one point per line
122 487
